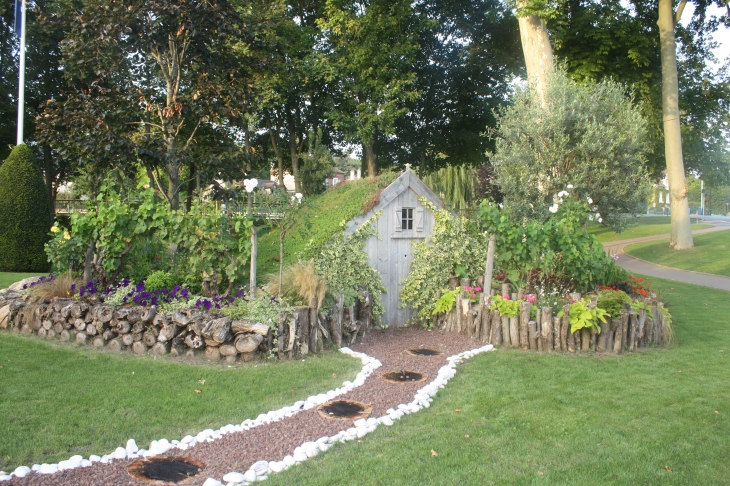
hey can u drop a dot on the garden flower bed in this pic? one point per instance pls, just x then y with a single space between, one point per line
580 324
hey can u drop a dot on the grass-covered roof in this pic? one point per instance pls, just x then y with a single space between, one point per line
317 220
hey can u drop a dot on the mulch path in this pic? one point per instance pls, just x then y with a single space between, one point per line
272 442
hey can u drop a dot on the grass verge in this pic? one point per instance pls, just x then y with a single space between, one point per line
58 400
709 255
508 417
9 278
640 227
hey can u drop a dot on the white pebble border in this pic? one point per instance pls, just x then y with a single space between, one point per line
260 470
158 447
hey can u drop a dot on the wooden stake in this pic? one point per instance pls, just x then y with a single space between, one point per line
505 330
514 331
557 331
585 335
547 329
532 335
524 320
602 337
496 328
489 268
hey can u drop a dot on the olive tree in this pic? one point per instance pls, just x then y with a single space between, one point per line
587 138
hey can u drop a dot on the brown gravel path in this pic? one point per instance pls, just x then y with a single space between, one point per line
271 442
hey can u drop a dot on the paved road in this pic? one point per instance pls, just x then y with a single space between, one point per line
636 265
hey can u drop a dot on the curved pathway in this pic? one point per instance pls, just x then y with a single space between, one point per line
249 448
636 265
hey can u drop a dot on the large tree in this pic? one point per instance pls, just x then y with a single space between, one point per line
370 47
468 55
157 75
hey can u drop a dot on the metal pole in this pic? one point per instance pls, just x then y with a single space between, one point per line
702 196
21 78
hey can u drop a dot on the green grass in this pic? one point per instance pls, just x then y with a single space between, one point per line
9 278
58 400
709 255
557 419
640 227
318 219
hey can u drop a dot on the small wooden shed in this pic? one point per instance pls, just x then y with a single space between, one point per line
403 221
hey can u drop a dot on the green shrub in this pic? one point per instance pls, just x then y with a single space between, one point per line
25 214
158 280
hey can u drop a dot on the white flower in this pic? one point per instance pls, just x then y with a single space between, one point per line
500 205
250 184
590 201
299 197
563 193
600 220
570 186
553 208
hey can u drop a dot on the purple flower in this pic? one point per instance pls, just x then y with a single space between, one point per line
207 305
239 294
154 300
73 287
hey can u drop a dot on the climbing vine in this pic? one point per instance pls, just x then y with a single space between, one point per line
455 245
345 265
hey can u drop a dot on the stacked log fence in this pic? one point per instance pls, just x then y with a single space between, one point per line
548 333
186 332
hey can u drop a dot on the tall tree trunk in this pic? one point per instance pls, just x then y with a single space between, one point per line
293 152
370 151
49 176
279 155
191 187
681 233
537 50
173 174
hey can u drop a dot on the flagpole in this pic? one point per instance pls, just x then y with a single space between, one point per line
21 76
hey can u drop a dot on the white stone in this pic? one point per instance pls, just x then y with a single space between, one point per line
36 467
183 447
94 458
212 482
387 421
131 446
64 465
48 468
299 455
260 467
21 471
105 459
360 422
361 432
249 476
233 477
277 467
85 463
289 461
120 453
5 477
324 446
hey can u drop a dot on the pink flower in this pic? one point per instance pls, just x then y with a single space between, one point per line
477 289
472 295
467 288
505 297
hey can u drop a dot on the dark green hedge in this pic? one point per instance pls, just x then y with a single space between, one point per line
25 218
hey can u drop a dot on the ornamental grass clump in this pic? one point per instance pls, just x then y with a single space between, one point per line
300 283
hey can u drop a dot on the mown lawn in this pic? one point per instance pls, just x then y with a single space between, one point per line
9 278
656 417
711 253
59 400
640 227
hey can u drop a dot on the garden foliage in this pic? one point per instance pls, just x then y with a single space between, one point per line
25 214
346 267
205 247
455 242
556 253
590 136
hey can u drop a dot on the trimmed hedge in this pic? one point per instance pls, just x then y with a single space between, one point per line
25 216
